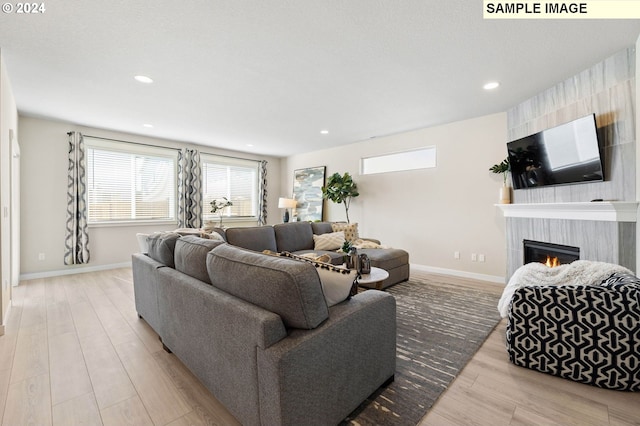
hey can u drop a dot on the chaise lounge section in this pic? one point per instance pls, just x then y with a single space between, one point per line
298 238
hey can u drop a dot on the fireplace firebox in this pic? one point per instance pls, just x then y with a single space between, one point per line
549 253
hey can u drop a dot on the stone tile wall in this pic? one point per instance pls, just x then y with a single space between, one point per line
608 90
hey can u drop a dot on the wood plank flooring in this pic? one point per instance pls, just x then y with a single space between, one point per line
74 352
492 391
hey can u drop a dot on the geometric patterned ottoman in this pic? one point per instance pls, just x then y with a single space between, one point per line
588 334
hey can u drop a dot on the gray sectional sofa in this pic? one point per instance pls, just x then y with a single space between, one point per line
257 332
297 237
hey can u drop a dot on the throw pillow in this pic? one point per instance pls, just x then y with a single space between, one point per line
142 242
621 279
336 281
325 258
162 246
330 241
350 230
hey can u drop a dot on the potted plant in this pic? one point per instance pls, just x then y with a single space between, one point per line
504 168
341 189
217 206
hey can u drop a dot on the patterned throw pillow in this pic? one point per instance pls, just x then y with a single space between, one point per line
620 279
337 282
330 241
350 230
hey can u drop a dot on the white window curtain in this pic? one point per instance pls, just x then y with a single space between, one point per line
189 189
77 233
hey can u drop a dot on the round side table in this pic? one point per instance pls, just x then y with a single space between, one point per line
376 277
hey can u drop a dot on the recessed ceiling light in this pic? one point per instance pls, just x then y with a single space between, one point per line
324 132
143 79
148 126
491 85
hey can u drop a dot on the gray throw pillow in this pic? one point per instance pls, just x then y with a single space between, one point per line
191 256
162 246
286 287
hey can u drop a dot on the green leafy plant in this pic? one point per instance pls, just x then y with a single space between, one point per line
341 189
218 205
346 246
502 167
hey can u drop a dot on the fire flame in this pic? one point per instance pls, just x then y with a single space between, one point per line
552 262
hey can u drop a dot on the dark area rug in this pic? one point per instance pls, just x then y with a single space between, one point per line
440 328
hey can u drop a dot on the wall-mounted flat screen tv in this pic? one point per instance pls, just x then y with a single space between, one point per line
566 154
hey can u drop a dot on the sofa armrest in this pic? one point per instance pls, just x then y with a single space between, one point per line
557 329
144 271
216 335
319 376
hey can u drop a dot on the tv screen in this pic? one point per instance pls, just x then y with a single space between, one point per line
562 155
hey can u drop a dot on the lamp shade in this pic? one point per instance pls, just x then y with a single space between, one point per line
286 203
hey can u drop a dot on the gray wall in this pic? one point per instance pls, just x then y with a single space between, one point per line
608 90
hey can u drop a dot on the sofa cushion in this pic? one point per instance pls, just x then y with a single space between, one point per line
386 259
293 236
256 238
337 282
284 286
320 228
330 241
191 256
162 246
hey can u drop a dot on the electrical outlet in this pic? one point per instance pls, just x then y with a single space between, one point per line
40 256
456 255
474 257
481 258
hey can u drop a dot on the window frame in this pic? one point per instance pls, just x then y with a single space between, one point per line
222 160
400 160
143 150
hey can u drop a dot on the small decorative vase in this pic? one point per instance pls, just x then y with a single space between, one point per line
352 259
505 195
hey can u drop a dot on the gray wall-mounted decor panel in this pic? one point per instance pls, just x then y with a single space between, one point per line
606 89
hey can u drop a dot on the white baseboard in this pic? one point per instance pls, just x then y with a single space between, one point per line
423 268
464 274
6 318
71 271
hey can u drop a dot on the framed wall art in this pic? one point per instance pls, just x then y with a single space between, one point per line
307 191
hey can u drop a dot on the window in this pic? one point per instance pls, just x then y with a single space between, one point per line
129 183
233 178
422 158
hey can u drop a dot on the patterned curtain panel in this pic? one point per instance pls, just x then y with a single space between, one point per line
77 237
189 189
262 208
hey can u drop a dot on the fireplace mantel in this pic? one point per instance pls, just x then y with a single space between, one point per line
610 211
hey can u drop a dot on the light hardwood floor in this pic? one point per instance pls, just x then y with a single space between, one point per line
492 391
74 352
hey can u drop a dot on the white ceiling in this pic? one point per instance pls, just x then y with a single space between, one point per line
273 73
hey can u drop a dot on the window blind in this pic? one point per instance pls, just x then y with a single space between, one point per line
235 179
126 182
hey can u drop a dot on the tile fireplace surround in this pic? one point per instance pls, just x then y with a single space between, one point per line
604 231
